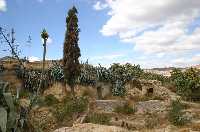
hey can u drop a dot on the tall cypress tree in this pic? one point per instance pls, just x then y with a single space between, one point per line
71 51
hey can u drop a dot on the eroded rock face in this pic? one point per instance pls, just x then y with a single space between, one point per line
88 127
151 106
151 88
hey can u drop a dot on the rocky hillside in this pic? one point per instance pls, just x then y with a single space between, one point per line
148 106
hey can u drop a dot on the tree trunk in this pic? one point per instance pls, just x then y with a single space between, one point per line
44 56
64 87
72 91
43 66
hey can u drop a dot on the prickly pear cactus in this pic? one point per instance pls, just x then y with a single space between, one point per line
87 75
119 88
56 72
1 68
32 80
103 74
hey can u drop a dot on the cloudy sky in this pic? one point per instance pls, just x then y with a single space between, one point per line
161 33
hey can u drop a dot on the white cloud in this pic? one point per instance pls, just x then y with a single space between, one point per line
49 40
105 57
40 1
135 15
167 40
158 29
100 6
194 60
105 60
33 59
3 5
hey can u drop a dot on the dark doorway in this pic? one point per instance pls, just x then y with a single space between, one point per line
150 91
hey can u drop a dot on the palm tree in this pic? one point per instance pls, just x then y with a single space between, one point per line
44 36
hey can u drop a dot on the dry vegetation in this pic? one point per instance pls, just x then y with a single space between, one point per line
52 111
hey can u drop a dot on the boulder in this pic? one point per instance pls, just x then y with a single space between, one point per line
88 127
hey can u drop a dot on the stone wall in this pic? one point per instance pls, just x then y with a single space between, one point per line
107 105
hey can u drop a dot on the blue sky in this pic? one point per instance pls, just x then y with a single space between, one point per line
159 34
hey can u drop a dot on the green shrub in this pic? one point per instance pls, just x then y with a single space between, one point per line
69 107
126 109
50 100
176 115
60 113
165 81
41 101
24 93
187 83
98 118
79 104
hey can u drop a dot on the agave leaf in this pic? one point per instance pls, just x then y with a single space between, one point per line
3 119
12 120
12 114
9 100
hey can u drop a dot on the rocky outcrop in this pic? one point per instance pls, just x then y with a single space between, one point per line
88 127
151 106
151 88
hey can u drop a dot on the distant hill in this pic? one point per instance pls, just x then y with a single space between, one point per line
166 68
7 58
197 66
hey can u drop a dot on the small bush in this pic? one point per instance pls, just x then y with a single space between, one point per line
24 94
126 109
152 121
77 105
176 115
98 118
41 101
60 113
51 100
87 93
69 107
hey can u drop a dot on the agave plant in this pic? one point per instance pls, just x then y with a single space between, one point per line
7 110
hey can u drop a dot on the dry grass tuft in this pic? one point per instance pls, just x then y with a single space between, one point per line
57 89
